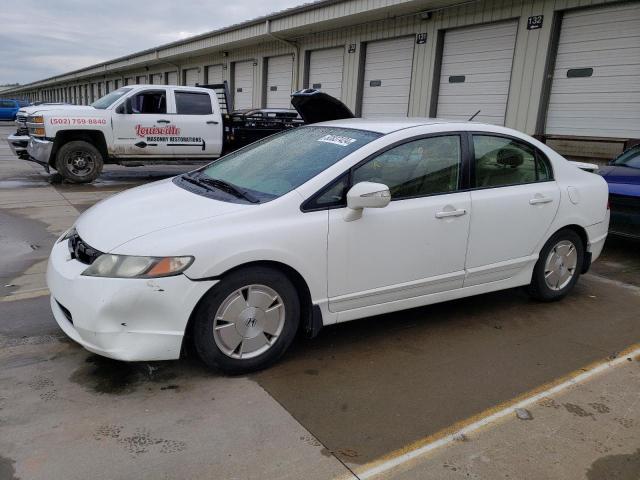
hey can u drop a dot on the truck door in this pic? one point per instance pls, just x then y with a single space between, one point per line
199 123
143 125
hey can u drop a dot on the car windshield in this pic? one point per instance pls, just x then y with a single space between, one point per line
109 98
276 165
630 158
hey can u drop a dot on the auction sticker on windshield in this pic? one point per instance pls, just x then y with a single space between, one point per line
337 140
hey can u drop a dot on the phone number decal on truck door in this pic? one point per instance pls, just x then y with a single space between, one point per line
78 121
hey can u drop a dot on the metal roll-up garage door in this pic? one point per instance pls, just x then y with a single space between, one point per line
191 77
155 79
214 73
596 79
476 72
279 80
325 70
243 85
387 77
172 78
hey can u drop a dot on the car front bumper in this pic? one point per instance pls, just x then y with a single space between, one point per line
18 144
123 319
40 150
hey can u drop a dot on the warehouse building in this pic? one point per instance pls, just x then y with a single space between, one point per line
566 71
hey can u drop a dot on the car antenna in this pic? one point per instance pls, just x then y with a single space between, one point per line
474 115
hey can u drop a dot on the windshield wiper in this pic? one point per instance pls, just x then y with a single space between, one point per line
203 181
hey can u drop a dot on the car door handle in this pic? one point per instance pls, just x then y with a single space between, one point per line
538 200
451 213
163 121
212 122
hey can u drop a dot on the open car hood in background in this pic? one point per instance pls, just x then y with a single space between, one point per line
315 106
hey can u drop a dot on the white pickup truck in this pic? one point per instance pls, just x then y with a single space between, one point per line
142 124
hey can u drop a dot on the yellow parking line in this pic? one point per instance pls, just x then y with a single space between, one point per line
476 422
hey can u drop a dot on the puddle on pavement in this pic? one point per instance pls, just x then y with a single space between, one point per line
7 470
103 375
106 376
616 467
23 242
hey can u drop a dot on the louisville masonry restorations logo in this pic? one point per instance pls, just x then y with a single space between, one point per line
169 130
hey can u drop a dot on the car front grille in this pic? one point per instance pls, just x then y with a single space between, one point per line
82 251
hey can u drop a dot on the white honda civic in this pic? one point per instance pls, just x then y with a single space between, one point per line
323 224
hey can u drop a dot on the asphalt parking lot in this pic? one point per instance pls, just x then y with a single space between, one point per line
361 395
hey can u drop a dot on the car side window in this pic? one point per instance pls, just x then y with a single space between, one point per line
421 167
150 102
333 195
501 161
193 103
6 104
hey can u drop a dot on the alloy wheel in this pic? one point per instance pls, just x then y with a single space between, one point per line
560 265
249 321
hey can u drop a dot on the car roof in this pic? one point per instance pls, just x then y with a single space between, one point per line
390 125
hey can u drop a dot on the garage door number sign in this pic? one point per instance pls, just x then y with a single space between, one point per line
535 22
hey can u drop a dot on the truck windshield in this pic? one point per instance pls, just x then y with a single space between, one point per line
276 165
109 98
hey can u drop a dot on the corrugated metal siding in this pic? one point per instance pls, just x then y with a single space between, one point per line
476 72
279 81
606 103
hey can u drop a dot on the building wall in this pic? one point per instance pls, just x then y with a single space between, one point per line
348 24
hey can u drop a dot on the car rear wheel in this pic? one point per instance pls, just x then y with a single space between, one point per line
247 321
79 162
558 266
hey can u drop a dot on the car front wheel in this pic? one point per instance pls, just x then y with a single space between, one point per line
558 266
79 162
247 321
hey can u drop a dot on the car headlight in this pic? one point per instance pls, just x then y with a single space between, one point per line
67 235
127 266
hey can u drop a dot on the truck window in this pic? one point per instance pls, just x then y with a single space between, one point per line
150 101
193 103
109 99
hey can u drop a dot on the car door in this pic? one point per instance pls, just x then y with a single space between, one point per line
143 124
7 108
413 247
199 121
515 200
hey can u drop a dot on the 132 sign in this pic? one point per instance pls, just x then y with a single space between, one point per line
535 22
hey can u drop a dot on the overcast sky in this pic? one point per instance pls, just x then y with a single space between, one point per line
40 39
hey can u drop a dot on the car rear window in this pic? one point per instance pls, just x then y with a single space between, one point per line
193 103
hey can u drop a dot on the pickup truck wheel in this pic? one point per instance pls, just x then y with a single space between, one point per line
79 162
247 321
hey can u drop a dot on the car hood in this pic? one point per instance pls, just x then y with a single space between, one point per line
315 106
622 180
143 210
46 108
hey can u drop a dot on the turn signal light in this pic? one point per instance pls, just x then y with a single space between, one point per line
39 132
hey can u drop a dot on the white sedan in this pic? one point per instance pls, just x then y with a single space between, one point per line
319 225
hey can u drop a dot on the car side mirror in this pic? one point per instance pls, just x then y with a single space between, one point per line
365 195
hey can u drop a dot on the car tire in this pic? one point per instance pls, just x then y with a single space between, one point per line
79 161
558 267
247 321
